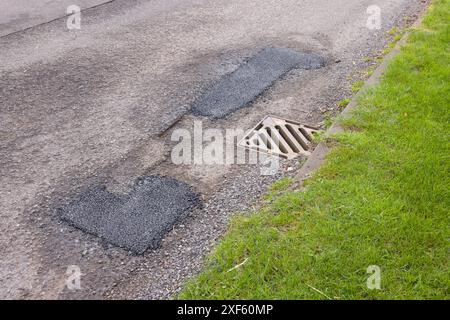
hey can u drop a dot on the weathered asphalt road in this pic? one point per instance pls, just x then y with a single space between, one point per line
17 15
86 107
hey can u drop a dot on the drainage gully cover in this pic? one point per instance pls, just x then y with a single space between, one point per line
277 136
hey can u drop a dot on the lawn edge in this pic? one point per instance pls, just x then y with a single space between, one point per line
319 155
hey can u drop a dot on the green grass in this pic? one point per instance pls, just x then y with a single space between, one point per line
277 188
381 199
357 85
393 31
343 103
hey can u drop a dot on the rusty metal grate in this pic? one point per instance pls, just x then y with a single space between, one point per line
285 138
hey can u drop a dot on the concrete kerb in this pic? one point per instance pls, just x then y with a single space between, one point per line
318 156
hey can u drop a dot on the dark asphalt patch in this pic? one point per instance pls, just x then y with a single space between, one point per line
135 221
242 86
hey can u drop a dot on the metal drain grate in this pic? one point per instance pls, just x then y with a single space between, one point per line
281 137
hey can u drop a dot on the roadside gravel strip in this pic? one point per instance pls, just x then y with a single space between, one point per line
241 87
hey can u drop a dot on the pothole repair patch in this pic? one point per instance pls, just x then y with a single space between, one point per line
281 137
135 221
242 86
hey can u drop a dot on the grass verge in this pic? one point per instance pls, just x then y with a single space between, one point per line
381 199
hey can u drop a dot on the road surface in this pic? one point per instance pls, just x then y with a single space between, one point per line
95 106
